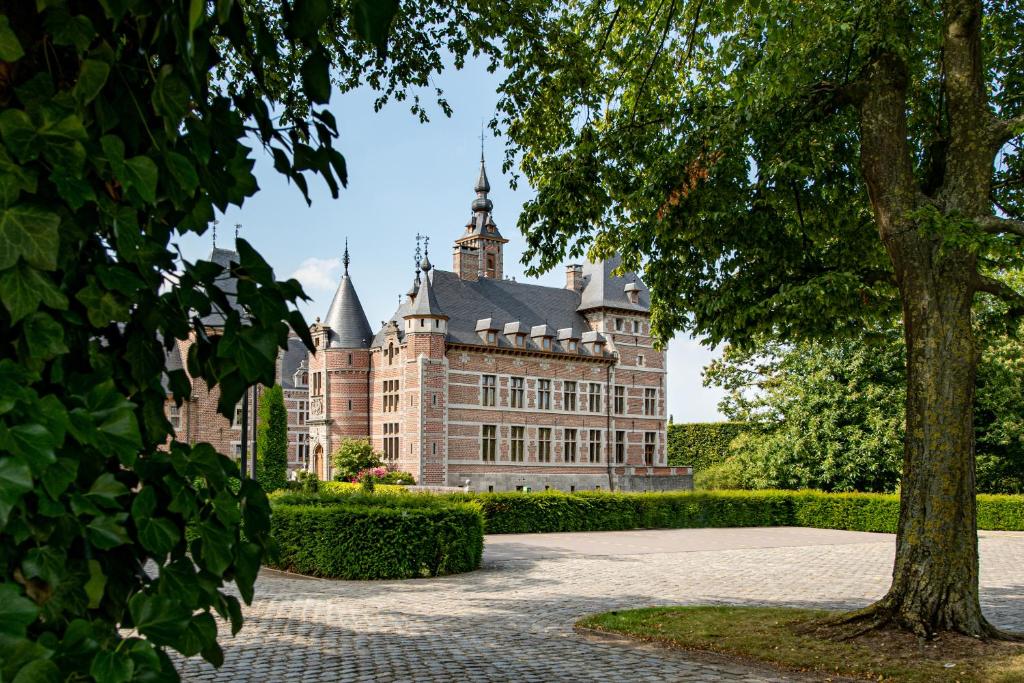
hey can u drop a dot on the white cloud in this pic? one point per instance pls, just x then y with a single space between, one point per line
317 274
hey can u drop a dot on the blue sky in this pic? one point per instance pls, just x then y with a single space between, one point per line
407 178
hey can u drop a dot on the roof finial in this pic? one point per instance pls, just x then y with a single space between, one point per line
344 258
215 222
419 258
481 140
425 264
238 226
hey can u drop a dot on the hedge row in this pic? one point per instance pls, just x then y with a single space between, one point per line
356 536
514 513
701 444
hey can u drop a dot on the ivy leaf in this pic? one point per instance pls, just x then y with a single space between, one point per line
161 619
34 442
16 611
91 79
112 667
10 48
62 142
316 77
372 19
108 532
15 475
158 535
44 335
45 563
30 232
141 176
106 490
170 96
96 584
19 134
182 171
38 671
23 287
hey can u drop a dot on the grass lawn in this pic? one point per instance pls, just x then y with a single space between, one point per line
792 639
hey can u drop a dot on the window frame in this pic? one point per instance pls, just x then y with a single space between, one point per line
488 443
488 390
567 442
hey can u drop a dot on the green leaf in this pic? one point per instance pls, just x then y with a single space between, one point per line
108 531
10 48
307 17
62 142
91 80
19 134
200 634
23 287
161 619
157 534
316 77
182 171
141 176
29 232
217 547
46 563
101 305
106 489
44 335
38 671
96 584
372 19
112 667
170 96
33 442
65 29
15 475
16 611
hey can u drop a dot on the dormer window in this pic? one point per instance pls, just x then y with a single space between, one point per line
546 343
593 342
488 331
542 336
568 339
632 292
573 346
520 341
492 337
516 334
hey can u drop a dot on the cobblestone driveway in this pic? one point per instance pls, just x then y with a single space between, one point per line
512 620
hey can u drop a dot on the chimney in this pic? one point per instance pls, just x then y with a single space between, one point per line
574 277
466 262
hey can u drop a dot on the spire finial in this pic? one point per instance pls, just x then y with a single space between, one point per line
215 222
481 141
238 226
419 257
344 258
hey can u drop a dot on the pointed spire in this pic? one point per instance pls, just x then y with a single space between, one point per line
344 258
346 318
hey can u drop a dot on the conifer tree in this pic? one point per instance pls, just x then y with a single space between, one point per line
272 440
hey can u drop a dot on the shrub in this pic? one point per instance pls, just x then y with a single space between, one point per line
508 513
723 475
701 444
353 456
359 536
272 440
397 477
307 482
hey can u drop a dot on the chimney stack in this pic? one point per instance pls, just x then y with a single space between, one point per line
574 277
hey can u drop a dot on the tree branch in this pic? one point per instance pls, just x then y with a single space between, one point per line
994 225
1001 290
1005 130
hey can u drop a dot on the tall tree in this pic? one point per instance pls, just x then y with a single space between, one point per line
113 143
272 440
796 168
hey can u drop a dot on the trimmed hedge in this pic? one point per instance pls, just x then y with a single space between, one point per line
701 444
357 536
516 513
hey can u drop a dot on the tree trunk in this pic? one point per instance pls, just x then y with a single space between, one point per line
935 577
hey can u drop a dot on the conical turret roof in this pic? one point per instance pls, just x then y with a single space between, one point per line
349 327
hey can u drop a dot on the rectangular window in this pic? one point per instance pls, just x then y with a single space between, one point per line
390 395
595 445
317 384
618 324
391 445
620 447
518 444
487 390
650 440
544 444
543 394
569 396
595 397
620 400
488 442
174 415
636 327
515 398
238 415
570 445
650 401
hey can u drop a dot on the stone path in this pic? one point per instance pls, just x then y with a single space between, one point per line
512 620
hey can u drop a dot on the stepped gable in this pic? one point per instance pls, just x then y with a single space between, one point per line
601 289
346 319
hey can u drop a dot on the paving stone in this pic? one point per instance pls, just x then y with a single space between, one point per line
513 619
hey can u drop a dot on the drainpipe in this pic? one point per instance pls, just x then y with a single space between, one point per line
608 426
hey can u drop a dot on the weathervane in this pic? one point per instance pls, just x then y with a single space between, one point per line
238 226
215 221
344 258
419 257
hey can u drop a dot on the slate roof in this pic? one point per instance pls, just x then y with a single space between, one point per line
349 326
227 283
425 303
292 358
172 361
601 289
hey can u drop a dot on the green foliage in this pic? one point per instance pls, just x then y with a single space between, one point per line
272 440
397 477
367 483
113 145
522 513
822 415
308 482
728 474
357 536
701 444
353 456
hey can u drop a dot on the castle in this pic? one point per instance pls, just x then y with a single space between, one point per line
491 384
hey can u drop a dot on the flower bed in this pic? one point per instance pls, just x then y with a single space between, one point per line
380 536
